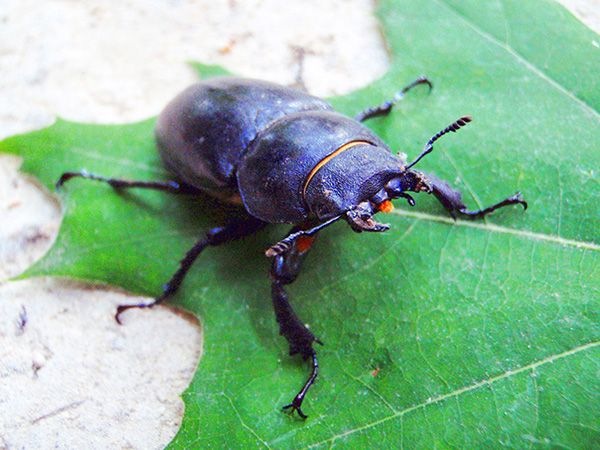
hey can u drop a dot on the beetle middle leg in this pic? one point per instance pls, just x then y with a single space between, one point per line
173 187
284 270
216 236
385 108
451 199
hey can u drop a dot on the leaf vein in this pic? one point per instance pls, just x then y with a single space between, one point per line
439 399
532 235
244 424
370 388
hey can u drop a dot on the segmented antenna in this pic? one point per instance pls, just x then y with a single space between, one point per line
453 127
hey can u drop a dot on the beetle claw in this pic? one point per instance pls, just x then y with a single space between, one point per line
518 198
409 198
122 308
295 406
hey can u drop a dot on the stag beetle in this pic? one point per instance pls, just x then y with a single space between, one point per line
285 157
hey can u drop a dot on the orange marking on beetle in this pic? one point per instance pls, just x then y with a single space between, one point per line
303 243
320 164
386 206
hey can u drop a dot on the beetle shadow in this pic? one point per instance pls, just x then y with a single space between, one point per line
184 203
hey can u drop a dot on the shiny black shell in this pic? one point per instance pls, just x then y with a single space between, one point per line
257 142
203 132
276 166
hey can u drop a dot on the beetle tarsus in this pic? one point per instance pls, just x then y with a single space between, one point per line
294 406
67 176
516 199
451 199
122 308
299 398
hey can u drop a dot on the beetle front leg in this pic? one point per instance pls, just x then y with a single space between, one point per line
451 199
284 270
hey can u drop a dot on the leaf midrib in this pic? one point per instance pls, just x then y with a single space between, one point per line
490 227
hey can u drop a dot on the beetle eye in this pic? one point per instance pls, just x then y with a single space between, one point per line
394 187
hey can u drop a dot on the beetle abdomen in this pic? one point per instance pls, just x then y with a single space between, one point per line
280 176
205 130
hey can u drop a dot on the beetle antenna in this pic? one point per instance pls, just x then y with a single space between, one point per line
453 127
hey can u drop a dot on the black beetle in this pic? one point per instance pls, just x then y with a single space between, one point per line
286 157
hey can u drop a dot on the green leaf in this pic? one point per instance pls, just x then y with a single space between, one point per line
438 334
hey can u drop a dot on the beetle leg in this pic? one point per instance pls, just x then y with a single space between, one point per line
173 187
217 236
385 108
452 200
284 270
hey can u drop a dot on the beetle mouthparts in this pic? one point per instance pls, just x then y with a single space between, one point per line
360 223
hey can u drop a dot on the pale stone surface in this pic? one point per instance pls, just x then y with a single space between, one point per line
120 61
29 218
588 11
70 377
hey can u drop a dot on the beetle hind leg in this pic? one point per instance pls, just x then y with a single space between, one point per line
216 236
451 199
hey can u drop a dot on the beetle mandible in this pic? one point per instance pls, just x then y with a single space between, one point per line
285 157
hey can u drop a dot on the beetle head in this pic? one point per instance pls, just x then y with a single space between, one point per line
360 217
